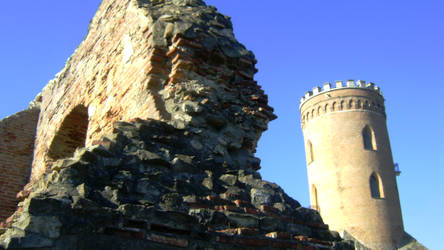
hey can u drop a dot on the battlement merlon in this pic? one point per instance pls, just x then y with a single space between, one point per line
327 87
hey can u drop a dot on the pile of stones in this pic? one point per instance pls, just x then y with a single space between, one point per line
151 185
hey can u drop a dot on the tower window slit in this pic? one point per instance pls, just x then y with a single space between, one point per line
310 154
368 137
376 187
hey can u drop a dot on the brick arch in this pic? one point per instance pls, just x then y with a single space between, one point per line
71 135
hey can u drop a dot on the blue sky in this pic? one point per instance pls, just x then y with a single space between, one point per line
399 45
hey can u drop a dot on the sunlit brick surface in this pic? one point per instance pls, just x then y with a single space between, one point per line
17 134
333 121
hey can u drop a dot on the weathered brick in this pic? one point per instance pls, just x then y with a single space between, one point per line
300 237
242 203
189 43
232 208
286 245
168 240
224 239
17 135
228 231
314 240
251 210
198 205
253 242
279 235
218 200
308 248
286 219
247 231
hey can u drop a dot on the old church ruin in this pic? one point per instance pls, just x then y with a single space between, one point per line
146 139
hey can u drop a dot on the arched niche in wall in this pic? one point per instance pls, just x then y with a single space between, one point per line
71 135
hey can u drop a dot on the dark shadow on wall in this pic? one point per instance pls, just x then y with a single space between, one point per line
71 135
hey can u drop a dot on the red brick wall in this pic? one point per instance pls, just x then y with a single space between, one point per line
17 134
101 78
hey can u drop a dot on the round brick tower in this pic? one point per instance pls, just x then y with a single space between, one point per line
350 167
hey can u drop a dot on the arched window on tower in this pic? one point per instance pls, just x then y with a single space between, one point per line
366 106
376 186
310 154
350 104
314 198
368 137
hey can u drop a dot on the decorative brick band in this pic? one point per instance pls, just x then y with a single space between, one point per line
344 103
365 100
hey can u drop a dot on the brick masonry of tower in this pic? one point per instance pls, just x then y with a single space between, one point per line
350 168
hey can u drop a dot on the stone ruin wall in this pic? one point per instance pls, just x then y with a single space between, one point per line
120 67
163 97
17 134
104 82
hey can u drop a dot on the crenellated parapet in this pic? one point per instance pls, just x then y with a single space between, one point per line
344 96
339 85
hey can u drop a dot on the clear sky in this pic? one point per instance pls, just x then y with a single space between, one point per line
397 44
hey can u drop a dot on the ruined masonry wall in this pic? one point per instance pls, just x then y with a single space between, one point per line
120 68
105 79
187 178
17 134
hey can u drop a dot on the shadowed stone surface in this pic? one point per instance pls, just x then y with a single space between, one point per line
144 185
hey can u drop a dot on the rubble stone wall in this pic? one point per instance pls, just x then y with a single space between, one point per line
106 74
148 185
17 134
133 50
